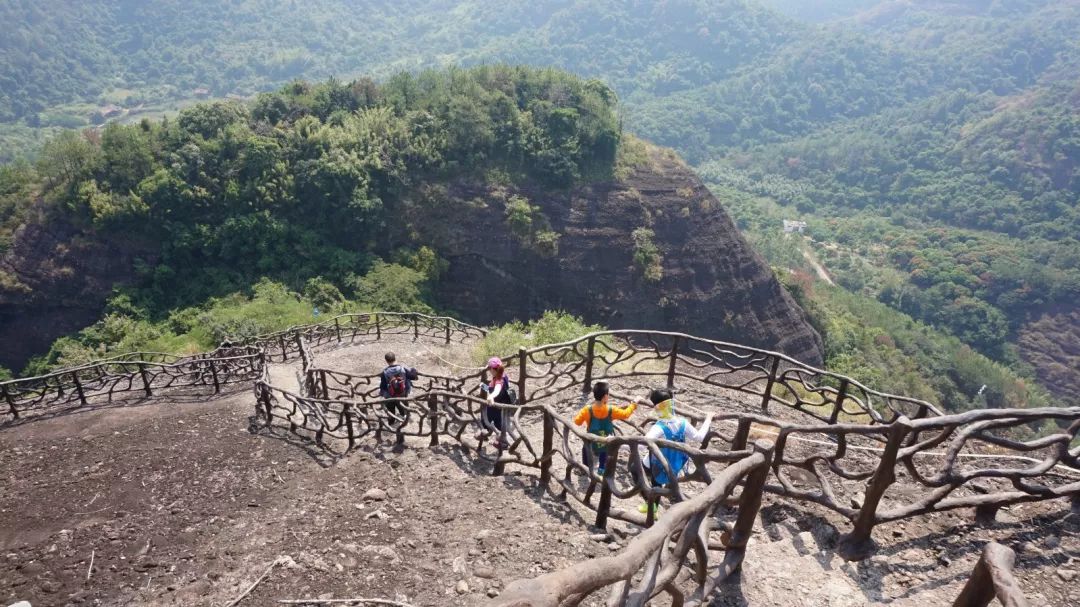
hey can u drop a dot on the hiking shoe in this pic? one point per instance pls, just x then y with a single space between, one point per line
600 471
644 509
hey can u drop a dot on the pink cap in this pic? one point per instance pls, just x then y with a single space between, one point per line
494 362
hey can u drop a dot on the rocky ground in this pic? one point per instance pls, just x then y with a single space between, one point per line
184 503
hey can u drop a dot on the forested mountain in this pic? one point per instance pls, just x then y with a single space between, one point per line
66 51
450 188
932 145
821 10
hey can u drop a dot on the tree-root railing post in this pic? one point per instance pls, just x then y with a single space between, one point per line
325 389
750 500
10 402
992 577
145 379
603 508
447 327
766 396
858 544
214 375
742 435
590 347
986 514
673 357
347 412
545 456
522 373
284 351
433 411
337 328
840 396
78 387
267 405
415 327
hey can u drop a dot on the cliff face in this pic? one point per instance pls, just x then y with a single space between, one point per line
54 281
713 284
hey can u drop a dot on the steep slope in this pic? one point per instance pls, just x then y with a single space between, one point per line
709 281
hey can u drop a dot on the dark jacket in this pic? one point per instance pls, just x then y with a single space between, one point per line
391 371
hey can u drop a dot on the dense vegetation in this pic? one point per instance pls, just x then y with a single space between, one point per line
314 180
932 147
874 342
270 306
958 205
66 54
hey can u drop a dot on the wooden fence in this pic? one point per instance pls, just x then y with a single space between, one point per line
351 328
846 453
650 564
847 456
141 373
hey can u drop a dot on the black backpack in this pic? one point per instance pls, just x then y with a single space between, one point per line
509 391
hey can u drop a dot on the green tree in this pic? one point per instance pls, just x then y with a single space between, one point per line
390 287
67 159
127 157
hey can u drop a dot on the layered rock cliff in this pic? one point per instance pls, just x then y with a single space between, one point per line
712 284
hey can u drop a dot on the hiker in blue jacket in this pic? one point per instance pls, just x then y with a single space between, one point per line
675 429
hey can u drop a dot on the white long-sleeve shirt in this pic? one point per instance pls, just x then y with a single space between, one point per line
691 434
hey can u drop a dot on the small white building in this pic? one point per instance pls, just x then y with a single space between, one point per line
790 227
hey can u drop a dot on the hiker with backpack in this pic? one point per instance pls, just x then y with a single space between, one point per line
601 418
395 383
676 429
498 389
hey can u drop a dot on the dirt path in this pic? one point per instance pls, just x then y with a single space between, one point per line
818 268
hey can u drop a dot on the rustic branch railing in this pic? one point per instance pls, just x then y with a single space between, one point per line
864 439
142 373
992 578
848 458
774 378
649 565
282 345
148 372
847 461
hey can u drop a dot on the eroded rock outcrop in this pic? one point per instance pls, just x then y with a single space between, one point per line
713 284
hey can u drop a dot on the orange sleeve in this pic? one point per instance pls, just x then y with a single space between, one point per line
623 413
582 416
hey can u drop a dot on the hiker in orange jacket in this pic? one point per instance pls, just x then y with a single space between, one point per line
601 421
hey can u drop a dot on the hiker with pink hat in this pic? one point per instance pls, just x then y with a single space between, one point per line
497 390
